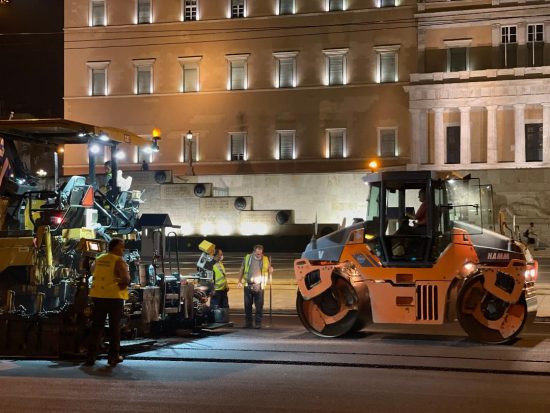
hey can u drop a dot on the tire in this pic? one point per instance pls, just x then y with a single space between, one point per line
339 297
476 307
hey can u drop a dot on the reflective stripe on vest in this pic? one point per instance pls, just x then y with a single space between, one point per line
220 282
104 283
263 269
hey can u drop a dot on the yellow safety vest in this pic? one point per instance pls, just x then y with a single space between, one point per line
105 284
263 270
220 282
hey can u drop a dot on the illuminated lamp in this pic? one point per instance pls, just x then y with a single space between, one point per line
373 165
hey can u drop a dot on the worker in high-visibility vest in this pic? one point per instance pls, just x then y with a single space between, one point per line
255 270
109 290
219 295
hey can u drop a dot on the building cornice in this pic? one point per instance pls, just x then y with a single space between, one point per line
521 13
373 10
224 91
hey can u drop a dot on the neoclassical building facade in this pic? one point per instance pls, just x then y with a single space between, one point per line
306 87
481 96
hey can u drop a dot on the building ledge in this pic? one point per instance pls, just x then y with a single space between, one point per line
469 75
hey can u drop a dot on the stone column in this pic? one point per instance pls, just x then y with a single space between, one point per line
424 147
465 145
519 126
415 137
439 141
492 144
546 132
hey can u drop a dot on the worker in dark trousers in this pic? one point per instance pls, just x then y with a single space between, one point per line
109 290
219 296
255 270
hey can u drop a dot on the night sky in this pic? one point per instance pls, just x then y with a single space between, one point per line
31 54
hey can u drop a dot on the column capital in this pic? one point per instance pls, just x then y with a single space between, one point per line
545 105
519 106
438 110
464 109
414 111
491 107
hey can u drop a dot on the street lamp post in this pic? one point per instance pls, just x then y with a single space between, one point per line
189 138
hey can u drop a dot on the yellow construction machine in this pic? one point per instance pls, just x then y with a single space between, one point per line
47 232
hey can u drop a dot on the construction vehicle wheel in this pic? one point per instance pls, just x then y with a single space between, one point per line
487 318
333 313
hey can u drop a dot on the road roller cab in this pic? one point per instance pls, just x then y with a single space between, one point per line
424 254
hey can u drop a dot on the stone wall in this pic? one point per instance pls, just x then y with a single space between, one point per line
330 197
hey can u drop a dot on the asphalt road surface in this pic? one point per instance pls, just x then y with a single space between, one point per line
283 368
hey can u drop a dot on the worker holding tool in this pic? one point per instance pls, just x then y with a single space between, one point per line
255 269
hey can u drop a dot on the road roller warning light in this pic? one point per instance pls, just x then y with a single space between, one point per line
423 255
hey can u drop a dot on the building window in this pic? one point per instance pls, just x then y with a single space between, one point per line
190 10
458 59
286 144
387 3
533 142
535 45
144 11
144 76
238 8
238 146
336 143
386 63
287 7
98 78
458 54
98 13
387 142
453 144
286 69
190 73
335 5
336 66
238 72
99 82
508 46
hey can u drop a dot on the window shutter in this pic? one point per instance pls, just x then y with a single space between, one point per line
336 143
387 67
286 72
286 6
237 146
458 59
143 80
387 143
237 75
336 5
98 82
98 13
144 11
190 78
286 145
336 70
